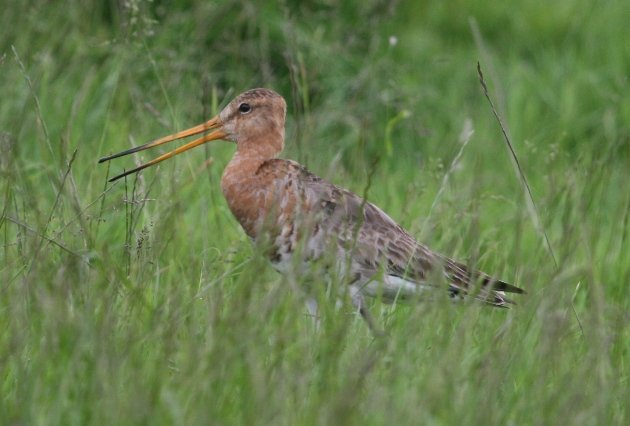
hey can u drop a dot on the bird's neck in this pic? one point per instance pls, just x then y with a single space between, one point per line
265 145
245 191
244 164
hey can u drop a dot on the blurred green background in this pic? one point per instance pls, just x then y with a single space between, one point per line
143 302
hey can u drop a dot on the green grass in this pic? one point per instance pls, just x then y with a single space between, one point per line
143 301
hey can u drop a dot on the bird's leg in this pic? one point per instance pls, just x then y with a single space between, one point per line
357 301
313 310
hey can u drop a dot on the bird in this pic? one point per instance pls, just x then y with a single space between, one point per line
300 219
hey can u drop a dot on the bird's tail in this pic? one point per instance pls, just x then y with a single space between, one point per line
490 290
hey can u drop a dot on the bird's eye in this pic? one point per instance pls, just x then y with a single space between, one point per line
244 108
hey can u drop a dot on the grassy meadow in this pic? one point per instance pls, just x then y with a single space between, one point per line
143 302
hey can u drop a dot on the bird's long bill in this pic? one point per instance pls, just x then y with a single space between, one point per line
214 123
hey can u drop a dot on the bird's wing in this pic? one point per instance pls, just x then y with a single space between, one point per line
377 243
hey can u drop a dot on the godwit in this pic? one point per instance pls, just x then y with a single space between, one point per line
301 217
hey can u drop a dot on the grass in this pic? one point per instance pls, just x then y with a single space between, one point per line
143 301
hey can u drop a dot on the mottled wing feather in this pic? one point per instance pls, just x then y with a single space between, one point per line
379 242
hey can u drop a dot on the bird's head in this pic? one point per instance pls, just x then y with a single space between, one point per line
254 120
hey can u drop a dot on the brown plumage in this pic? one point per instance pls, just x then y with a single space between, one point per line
299 218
